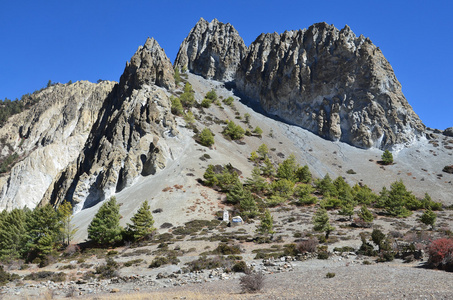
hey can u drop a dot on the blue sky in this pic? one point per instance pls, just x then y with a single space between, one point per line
90 40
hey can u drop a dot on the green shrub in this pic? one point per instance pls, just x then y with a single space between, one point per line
258 131
330 275
133 262
159 261
206 137
6 277
206 103
233 131
211 95
387 158
225 249
228 101
108 270
46 276
428 218
240 266
323 255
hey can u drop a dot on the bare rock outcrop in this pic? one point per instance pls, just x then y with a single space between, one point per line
127 140
448 131
330 82
46 138
212 50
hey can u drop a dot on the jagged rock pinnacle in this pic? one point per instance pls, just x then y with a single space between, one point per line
212 50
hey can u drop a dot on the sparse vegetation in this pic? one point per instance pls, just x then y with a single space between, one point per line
387 157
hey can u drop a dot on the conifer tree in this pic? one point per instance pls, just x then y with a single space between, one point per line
268 168
428 218
236 193
263 151
43 230
287 169
13 233
248 205
387 157
256 183
304 174
142 222
267 223
321 222
67 229
210 176
365 214
105 227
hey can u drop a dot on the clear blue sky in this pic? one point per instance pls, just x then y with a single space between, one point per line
90 40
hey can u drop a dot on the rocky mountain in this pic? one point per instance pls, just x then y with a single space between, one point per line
212 50
46 138
124 143
85 142
326 80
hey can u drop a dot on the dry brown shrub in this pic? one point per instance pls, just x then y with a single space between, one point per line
309 245
252 283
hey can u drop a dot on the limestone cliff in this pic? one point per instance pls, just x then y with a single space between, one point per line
212 50
330 82
126 141
46 138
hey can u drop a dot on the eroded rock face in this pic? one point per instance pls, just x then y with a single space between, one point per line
212 50
125 142
47 137
448 131
330 82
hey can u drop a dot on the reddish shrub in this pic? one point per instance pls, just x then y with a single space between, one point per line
441 253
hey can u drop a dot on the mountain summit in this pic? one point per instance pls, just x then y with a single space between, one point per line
212 50
326 80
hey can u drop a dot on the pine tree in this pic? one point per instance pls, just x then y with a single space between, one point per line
304 174
105 227
267 223
396 199
346 209
256 183
254 157
321 222
236 193
67 229
287 169
176 106
268 168
248 205
142 222
428 218
263 151
365 214
13 233
43 230
210 176
326 187
387 157
303 193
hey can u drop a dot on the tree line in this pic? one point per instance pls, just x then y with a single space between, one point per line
36 235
